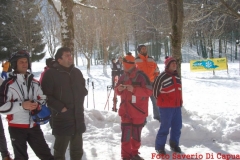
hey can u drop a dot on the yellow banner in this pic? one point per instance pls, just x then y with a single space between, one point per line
208 64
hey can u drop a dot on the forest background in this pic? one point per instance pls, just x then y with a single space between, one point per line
101 30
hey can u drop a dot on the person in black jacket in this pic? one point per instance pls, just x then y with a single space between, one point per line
114 71
64 86
120 65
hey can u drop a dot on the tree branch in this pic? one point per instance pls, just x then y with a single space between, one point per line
230 9
54 7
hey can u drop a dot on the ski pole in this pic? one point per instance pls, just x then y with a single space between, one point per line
108 95
93 94
88 90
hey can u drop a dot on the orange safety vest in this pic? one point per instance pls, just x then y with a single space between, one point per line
148 66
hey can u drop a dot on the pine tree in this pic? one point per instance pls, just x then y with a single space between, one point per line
6 41
21 28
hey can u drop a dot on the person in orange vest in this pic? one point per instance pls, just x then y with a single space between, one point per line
146 63
5 66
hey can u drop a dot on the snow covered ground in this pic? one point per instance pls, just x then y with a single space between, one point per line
211 117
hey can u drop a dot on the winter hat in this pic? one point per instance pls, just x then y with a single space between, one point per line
128 61
17 55
169 60
140 47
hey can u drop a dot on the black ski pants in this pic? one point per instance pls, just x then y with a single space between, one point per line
75 147
3 143
34 137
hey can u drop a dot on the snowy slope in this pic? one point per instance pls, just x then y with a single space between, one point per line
211 117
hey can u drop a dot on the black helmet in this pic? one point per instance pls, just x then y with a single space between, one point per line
17 55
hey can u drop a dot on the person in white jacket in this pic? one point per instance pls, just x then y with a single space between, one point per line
21 95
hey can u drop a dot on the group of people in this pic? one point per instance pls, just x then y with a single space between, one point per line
142 79
62 87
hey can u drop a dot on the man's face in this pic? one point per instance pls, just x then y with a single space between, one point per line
143 51
22 65
172 66
66 59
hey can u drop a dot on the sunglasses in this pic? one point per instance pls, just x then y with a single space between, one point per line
126 61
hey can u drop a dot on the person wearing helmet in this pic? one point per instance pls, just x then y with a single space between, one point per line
20 95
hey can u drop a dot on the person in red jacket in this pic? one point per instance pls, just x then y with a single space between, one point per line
49 62
134 88
167 89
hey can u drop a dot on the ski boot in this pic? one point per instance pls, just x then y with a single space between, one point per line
137 157
161 151
174 147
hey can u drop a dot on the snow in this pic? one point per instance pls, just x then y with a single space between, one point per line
211 117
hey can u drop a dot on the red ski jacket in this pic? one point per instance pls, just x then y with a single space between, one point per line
142 91
167 88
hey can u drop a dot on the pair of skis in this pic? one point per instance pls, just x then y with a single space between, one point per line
109 89
92 92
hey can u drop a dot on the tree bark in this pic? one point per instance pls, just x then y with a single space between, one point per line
67 28
175 8
66 20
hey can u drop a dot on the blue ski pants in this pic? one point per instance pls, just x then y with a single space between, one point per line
170 118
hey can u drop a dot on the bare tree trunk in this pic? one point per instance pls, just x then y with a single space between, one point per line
220 48
105 56
175 8
66 19
67 28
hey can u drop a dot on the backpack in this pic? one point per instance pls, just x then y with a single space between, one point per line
42 116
